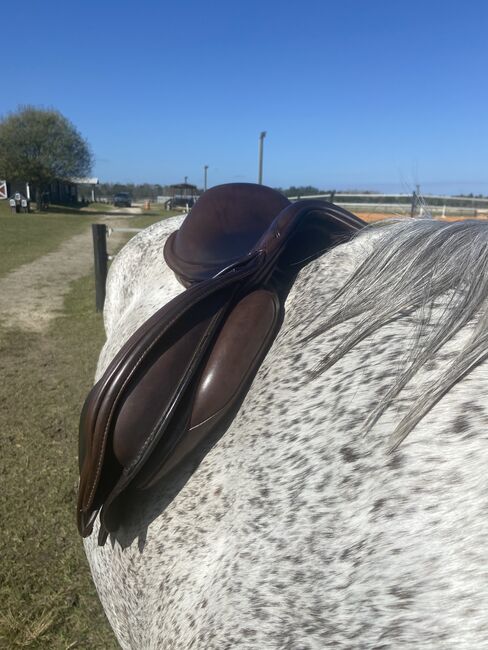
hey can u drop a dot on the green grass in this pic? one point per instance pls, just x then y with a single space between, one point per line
47 599
24 237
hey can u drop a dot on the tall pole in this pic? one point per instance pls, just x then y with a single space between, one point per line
205 178
260 172
413 205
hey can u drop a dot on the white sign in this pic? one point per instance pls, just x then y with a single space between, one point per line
3 189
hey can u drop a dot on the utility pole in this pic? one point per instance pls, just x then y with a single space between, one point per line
260 172
205 178
415 201
413 204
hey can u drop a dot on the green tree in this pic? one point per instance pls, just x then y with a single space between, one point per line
40 146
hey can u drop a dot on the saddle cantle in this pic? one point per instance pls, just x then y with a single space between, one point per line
182 376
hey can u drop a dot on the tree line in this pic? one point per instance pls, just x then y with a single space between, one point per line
138 191
152 190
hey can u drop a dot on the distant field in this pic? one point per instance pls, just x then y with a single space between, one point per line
24 237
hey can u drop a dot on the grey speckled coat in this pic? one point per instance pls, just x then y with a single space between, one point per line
297 531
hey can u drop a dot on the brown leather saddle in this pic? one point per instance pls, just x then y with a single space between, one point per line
182 376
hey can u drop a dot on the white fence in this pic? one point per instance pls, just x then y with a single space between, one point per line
401 204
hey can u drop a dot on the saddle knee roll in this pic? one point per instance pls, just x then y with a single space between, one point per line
235 358
240 347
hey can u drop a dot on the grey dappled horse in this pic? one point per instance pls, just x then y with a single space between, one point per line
346 505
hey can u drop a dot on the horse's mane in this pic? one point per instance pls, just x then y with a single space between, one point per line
436 269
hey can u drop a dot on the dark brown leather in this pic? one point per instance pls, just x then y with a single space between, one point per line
213 236
237 353
184 373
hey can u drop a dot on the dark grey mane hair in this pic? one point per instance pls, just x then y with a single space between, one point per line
438 270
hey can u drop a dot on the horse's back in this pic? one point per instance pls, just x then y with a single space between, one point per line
296 531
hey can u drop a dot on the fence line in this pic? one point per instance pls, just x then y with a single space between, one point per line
445 198
441 197
420 208
413 204
416 204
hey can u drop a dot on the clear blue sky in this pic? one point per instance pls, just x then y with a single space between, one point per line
353 93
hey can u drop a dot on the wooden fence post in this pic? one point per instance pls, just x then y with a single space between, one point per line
99 232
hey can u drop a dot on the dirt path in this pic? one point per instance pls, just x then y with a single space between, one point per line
32 295
122 213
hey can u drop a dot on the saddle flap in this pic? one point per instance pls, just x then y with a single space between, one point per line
235 357
155 359
139 407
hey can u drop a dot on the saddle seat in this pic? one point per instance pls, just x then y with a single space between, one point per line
223 227
181 377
